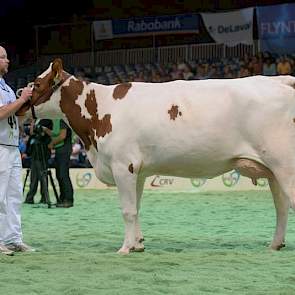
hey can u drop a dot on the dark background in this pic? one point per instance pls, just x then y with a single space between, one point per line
18 17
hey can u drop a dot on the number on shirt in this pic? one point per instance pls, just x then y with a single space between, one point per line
12 122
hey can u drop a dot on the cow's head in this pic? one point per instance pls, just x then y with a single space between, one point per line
45 91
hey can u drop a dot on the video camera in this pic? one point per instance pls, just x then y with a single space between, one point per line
39 135
39 139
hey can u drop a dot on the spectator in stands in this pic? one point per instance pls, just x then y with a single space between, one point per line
200 72
269 67
131 78
156 77
187 73
255 66
292 63
227 72
245 60
174 72
75 155
213 72
243 72
80 75
139 77
284 67
181 65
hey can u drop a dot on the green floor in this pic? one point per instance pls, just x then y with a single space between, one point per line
206 243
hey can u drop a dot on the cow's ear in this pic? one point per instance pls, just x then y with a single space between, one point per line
57 68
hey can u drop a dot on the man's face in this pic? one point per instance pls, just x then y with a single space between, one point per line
4 62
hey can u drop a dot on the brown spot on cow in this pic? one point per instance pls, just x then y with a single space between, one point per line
173 112
121 90
86 129
293 120
130 168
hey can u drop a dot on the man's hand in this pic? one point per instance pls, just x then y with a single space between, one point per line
26 94
12 108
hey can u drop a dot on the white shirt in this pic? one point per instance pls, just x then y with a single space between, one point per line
9 129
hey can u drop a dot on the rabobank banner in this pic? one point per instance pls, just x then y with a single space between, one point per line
184 23
276 27
230 28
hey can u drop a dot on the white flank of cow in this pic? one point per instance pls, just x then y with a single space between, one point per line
180 128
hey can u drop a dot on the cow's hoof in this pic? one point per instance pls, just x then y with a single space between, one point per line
277 247
125 250
137 249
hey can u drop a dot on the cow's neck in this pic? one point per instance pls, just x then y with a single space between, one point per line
89 128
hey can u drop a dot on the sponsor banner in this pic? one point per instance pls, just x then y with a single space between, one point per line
230 28
184 23
103 29
231 181
276 27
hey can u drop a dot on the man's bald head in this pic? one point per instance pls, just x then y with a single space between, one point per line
4 62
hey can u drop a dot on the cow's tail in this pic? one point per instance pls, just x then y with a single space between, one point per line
287 80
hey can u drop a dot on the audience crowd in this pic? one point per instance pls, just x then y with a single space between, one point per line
260 64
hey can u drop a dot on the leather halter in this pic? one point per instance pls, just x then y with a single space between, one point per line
48 93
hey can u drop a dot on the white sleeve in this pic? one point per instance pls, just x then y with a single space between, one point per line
1 102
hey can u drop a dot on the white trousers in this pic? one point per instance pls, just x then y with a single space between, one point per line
10 195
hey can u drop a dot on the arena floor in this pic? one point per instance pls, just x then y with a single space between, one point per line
205 243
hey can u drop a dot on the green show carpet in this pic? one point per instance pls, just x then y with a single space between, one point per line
195 243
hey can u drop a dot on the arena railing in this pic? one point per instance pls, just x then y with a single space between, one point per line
152 55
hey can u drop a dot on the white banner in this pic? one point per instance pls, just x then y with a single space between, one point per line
231 181
230 28
103 29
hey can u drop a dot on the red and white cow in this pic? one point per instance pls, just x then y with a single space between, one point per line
180 128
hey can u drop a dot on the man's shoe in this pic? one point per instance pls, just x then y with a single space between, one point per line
22 247
6 251
64 205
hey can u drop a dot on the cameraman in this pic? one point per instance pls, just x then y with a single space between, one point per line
40 153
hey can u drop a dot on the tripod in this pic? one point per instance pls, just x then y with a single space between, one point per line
44 173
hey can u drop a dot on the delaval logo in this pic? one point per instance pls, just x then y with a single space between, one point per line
221 29
159 181
154 25
262 182
84 179
231 179
198 182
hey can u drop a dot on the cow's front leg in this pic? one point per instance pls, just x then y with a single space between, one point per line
127 188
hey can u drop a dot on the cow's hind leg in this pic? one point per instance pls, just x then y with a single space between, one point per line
127 183
139 247
282 207
280 191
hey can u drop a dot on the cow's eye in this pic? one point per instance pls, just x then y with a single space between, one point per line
37 84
